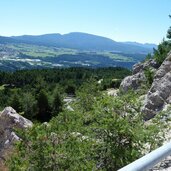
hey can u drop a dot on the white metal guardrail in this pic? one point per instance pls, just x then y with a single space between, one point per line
148 161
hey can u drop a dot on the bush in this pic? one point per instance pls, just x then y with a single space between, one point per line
161 53
107 136
149 74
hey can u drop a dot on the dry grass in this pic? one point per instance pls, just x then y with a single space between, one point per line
3 167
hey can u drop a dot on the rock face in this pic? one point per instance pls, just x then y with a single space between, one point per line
160 92
9 120
134 81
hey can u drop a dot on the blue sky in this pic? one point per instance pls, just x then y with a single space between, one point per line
121 20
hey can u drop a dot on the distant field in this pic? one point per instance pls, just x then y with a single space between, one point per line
26 56
40 51
43 51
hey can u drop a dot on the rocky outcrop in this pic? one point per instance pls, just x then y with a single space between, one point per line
138 78
9 121
160 92
140 67
133 82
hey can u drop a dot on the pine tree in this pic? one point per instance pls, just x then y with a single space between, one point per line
57 104
44 113
15 102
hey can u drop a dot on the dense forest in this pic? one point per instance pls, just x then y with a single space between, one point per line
39 94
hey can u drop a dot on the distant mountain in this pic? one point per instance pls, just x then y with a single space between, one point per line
4 40
146 45
46 39
81 41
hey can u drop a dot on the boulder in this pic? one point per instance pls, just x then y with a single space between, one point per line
135 81
132 82
9 121
10 118
140 67
137 68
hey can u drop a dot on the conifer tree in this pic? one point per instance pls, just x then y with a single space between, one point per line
43 107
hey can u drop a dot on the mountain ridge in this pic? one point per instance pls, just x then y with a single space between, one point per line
81 41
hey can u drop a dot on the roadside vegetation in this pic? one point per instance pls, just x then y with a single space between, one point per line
100 133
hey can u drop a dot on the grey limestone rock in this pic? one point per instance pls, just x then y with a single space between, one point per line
135 81
132 82
9 121
159 94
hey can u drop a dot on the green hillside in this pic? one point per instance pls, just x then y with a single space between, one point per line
27 56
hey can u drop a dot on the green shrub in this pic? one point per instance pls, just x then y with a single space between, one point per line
107 136
161 52
149 74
